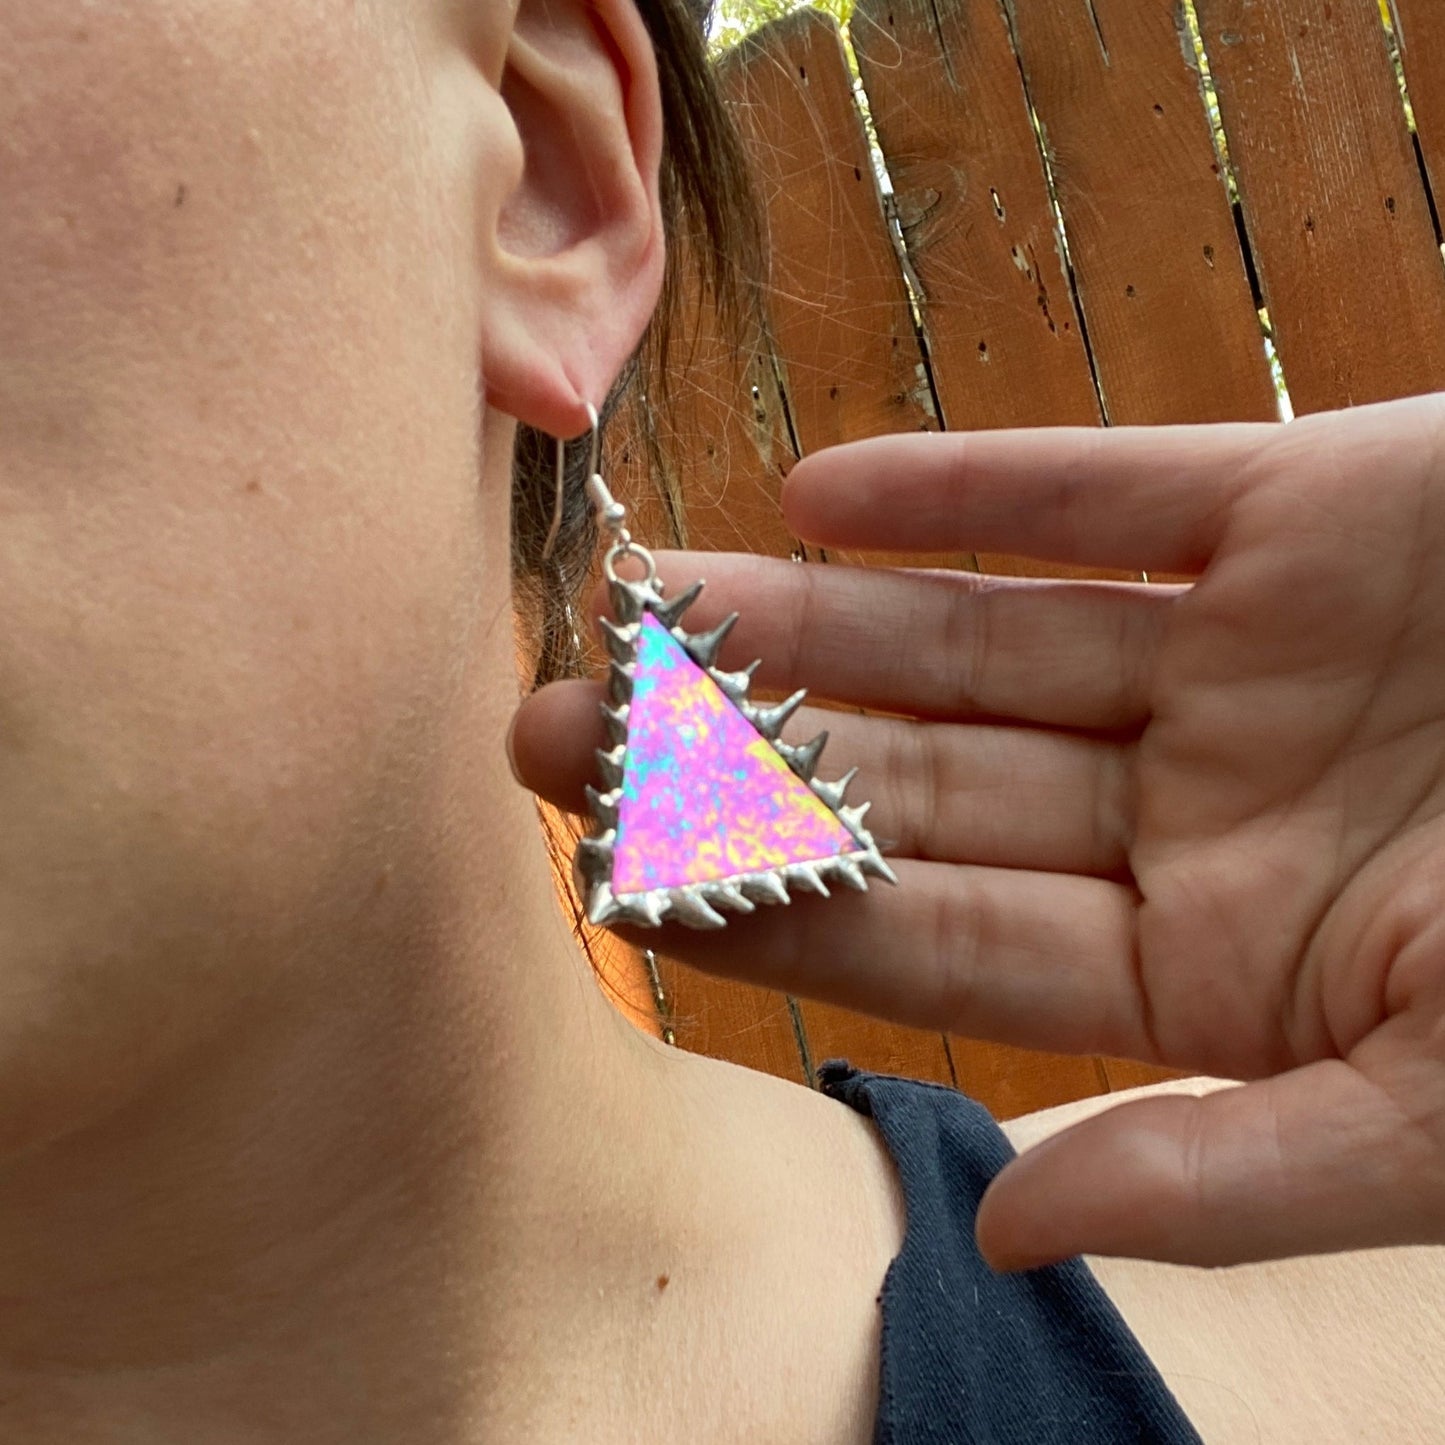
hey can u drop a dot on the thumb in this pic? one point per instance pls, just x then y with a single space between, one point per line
553 742
1311 1161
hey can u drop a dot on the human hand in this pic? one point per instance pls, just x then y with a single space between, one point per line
1198 825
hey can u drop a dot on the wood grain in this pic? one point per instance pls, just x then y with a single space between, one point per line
1005 344
1161 278
843 330
735 1021
953 124
841 321
1420 33
841 325
713 447
868 1043
1005 347
1332 197
1011 1081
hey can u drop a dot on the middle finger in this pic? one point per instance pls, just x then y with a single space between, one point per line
1000 796
936 644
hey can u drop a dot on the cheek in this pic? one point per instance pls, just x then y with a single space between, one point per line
239 529
237 412
237 421
214 216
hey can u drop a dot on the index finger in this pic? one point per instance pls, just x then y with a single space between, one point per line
1140 498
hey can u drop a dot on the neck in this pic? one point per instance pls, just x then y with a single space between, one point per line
428 1185
349 1208
454 1199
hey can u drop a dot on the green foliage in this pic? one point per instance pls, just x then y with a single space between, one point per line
735 20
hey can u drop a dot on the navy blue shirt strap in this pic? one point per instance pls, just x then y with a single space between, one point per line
970 1357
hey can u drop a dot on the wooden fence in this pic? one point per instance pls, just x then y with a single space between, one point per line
1099 210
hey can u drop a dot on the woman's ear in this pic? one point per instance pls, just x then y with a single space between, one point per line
574 264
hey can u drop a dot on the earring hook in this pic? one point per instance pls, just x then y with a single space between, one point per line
593 465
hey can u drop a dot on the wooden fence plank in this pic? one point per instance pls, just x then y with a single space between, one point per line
1162 281
842 327
1005 344
953 124
844 335
1420 33
718 436
1337 216
1127 1074
842 324
1010 1081
735 1021
868 1043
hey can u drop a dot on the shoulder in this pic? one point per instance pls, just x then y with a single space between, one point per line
1330 1349
970 1354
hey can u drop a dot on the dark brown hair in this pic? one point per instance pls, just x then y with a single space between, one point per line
713 254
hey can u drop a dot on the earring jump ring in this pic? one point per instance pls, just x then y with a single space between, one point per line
620 552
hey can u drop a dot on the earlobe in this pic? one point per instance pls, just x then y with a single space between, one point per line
575 260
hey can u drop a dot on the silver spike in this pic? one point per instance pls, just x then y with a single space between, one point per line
621 681
603 805
733 895
853 817
703 647
769 720
695 911
650 908
610 763
847 869
808 876
669 613
626 602
735 685
803 759
627 910
766 888
621 641
832 793
873 863
594 858
602 907
617 721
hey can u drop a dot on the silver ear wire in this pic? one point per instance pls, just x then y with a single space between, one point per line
593 474
556 526
594 460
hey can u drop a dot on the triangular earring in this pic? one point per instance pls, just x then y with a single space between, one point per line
703 807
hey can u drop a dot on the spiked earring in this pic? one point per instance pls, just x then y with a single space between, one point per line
703 807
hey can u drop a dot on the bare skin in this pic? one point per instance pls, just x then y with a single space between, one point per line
314 1124
1202 825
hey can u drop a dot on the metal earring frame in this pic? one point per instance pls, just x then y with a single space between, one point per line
694 904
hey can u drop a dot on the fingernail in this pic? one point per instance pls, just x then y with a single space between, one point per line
511 755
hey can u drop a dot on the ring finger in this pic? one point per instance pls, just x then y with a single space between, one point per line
945 792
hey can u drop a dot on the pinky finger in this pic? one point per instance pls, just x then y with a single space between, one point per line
1312 1161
